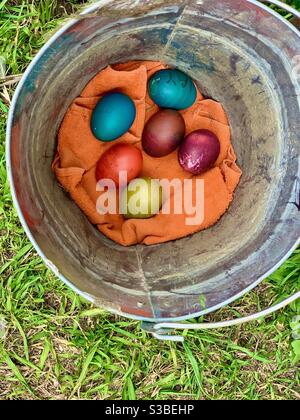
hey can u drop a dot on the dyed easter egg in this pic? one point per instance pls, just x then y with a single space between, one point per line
141 199
120 158
172 89
113 116
199 151
163 133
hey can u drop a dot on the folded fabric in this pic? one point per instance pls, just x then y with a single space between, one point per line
79 151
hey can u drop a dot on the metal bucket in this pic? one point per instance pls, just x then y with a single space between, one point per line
240 53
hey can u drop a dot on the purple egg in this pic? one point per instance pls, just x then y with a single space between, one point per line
199 151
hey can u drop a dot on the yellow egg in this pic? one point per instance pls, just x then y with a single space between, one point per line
141 199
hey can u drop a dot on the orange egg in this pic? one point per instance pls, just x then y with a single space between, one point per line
121 157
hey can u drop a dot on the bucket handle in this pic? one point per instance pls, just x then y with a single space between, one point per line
284 6
161 330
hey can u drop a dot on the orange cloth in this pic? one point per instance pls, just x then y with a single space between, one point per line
79 151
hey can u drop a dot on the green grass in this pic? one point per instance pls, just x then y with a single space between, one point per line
54 345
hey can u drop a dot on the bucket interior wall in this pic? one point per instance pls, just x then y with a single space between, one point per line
239 54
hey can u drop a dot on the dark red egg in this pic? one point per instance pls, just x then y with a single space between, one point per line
121 157
163 133
199 151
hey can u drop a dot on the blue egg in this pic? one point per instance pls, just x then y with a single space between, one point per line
113 116
172 89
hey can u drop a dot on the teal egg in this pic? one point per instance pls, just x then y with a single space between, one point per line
172 89
113 116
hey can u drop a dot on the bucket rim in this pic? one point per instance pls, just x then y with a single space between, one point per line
26 228
92 8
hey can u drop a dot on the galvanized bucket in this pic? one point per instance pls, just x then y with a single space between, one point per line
242 54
